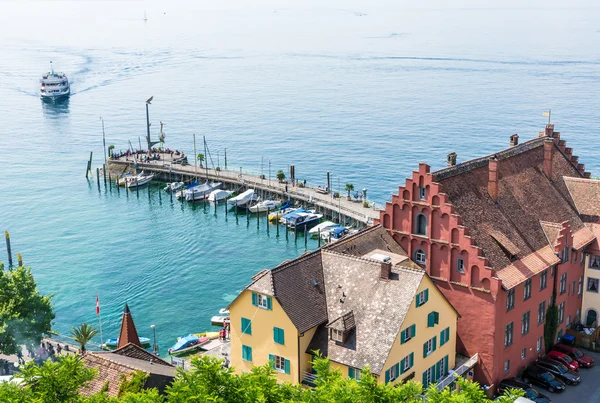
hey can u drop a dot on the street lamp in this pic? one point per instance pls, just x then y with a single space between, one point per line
269 172
155 347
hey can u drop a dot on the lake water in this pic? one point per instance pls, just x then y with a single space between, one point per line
362 89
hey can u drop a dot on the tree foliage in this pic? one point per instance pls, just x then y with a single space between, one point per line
25 314
551 325
280 175
83 334
208 381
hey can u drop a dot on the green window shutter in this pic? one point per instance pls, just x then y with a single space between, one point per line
397 369
286 364
269 303
426 294
434 343
254 298
443 339
430 319
424 379
247 353
413 330
246 326
272 360
417 301
446 365
447 334
438 370
436 316
351 373
278 335
411 360
425 350
402 368
387 376
403 337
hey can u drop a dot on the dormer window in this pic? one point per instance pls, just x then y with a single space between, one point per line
337 335
422 193
262 301
420 257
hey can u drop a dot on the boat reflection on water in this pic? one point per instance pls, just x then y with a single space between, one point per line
55 106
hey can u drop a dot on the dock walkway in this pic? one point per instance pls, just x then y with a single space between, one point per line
340 208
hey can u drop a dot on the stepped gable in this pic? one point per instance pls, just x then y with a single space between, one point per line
128 333
530 189
366 241
377 306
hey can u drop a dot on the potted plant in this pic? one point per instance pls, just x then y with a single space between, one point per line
349 188
280 176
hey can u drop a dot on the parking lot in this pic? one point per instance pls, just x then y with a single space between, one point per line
588 391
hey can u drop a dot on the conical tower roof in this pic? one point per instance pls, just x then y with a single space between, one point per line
128 332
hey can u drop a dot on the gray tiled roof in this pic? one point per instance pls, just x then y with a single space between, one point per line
367 241
379 307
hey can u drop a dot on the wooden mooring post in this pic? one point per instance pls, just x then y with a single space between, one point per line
88 170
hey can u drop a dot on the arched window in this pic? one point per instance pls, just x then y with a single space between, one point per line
421 224
420 256
591 317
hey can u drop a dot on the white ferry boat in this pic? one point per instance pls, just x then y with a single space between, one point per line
54 84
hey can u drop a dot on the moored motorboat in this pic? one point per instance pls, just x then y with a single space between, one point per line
335 234
139 180
219 194
243 199
114 342
54 85
322 227
219 320
284 218
303 220
174 186
210 335
224 311
187 344
199 191
264 206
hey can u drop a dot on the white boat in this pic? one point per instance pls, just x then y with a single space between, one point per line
54 85
243 199
224 311
198 192
303 221
322 227
264 206
174 186
139 180
335 234
219 320
219 194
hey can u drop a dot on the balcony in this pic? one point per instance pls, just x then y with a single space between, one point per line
309 379
460 371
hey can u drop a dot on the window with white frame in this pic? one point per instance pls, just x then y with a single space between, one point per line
428 378
393 374
563 283
525 323
592 285
405 363
523 353
420 257
527 290
460 265
538 344
261 301
422 297
594 262
508 334
422 193
541 312
510 300
580 286
565 254
561 312
429 346
543 280
506 366
337 335
279 364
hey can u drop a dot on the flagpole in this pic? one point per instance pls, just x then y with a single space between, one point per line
99 318
549 114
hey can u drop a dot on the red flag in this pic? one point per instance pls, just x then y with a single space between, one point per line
97 306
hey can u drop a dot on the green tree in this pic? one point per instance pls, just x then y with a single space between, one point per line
200 158
349 188
25 314
111 150
280 176
551 325
83 334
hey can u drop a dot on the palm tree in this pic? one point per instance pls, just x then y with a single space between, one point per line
280 176
200 159
83 334
349 188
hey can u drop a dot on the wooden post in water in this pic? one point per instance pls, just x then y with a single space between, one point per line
277 223
89 166
98 177
117 183
319 237
20 260
257 219
305 237
104 173
137 188
159 194
171 195
109 181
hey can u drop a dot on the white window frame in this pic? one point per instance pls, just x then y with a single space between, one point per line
279 365
421 297
442 366
538 344
525 324
523 353
541 313
527 289
428 376
422 193
509 337
506 366
460 265
408 334
544 280
563 283
596 282
337 335
261 301
418 254
393 374
429 347
510 300
580 286
405 363
561 312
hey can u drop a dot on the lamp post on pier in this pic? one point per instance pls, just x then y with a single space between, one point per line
269 172
155 346
150 143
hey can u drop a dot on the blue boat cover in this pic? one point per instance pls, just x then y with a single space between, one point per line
288 215
338 230
286 205
191 185
183 342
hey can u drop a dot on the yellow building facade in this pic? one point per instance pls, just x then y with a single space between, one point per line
590 307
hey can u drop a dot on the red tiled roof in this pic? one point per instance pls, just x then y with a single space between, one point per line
552 231
586 196
582 237
527 267
128 332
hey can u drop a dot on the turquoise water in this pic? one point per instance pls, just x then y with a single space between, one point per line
363 91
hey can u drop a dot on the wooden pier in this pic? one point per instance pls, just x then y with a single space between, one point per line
346 212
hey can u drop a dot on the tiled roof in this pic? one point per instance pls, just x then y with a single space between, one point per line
505 242
552 231
263 283
344 323
378 307
527 267
582 237
128 333
525 198
586 196
133 351
366 241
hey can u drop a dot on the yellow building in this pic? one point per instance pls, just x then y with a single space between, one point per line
360 301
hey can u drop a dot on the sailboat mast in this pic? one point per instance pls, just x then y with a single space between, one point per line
205 157
195 158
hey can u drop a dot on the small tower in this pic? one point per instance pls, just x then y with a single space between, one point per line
128 332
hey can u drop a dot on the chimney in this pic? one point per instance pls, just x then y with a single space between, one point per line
451 159
549 130
548 156
386 269
514 140
493 178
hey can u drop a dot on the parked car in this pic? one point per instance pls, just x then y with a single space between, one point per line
538 376
563 359
530 392
559 371
583 360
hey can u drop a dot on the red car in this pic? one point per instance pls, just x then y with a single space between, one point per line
583 360
563 359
